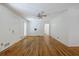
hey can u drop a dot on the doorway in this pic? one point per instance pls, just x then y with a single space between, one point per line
46 29
25 29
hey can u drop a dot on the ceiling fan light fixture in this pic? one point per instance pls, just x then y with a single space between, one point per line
41 14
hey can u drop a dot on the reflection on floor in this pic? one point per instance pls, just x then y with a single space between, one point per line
39 46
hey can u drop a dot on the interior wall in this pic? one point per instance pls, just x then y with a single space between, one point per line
11 28
35 23
65 27
59 29
74 27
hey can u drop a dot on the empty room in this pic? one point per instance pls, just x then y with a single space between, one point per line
39 29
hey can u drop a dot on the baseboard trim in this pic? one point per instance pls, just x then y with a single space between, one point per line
14 42
65 44
59 41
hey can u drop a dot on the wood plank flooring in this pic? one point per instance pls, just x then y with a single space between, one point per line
39 46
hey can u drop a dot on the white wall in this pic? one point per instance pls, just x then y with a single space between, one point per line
11 27
74 27
59 29
35 23
65 27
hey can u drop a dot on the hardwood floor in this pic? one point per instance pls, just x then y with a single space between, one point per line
39 46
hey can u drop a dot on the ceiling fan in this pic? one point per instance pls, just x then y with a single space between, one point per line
41 14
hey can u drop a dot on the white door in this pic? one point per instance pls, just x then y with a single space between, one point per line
46 29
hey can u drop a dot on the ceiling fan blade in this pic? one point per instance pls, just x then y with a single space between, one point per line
41 15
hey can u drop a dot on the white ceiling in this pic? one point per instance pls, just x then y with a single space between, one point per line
51 9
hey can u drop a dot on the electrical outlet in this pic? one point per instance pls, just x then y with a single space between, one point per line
58 37
6 44
13 31
2 44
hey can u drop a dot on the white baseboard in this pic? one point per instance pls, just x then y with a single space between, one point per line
11 43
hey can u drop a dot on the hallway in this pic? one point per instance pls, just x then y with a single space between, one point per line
39 46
